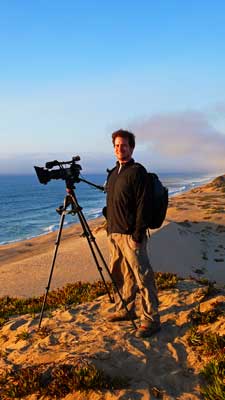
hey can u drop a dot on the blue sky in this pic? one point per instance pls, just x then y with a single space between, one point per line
72 72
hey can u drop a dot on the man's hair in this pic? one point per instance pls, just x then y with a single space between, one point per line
124 134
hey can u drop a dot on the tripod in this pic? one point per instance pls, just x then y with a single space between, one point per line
71 200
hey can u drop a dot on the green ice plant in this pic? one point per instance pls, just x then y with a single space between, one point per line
214 374
56 380
71 294
211 345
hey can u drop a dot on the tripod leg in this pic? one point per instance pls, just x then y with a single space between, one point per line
91 239
52 266
113 281
99 268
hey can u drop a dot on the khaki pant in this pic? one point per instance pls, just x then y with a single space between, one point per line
132 271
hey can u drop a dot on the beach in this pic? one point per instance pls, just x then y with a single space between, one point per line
191 244
192 238
25 266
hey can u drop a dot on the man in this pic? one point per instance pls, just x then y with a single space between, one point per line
126 226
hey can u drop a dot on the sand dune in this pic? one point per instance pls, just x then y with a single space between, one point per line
191 243
164 362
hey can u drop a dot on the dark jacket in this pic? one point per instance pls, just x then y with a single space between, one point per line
126 199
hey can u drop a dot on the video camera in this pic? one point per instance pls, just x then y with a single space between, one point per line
70 174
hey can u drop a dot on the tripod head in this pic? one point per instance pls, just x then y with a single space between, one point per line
70 174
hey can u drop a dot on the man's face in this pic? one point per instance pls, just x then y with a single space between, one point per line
122 149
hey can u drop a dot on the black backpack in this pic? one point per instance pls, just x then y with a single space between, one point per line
158 199
157 202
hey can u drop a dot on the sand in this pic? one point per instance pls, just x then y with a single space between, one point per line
192 238
191 243
164 362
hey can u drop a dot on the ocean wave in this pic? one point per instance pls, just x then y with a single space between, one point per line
25 237
34 214
94 213
173 191
50 228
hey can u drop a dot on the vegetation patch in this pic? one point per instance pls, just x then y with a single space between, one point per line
24 335
196 317
214 374
165 280
199 271
76 293
205 206
209 343
56 380
210 289
212 347
218 182
217 210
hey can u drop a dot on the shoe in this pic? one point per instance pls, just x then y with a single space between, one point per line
121 316
148 330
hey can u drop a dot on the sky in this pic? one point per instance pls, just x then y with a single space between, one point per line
72 72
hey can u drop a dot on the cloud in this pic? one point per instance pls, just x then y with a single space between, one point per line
185 140
24 163
219 109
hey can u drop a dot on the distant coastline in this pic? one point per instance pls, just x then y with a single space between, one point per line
28 208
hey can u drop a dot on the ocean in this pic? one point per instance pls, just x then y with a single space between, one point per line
28 208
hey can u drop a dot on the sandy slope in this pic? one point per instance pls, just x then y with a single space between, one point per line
192 242
164 361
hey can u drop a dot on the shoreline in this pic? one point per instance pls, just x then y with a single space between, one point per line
192 238
42 242
187 185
